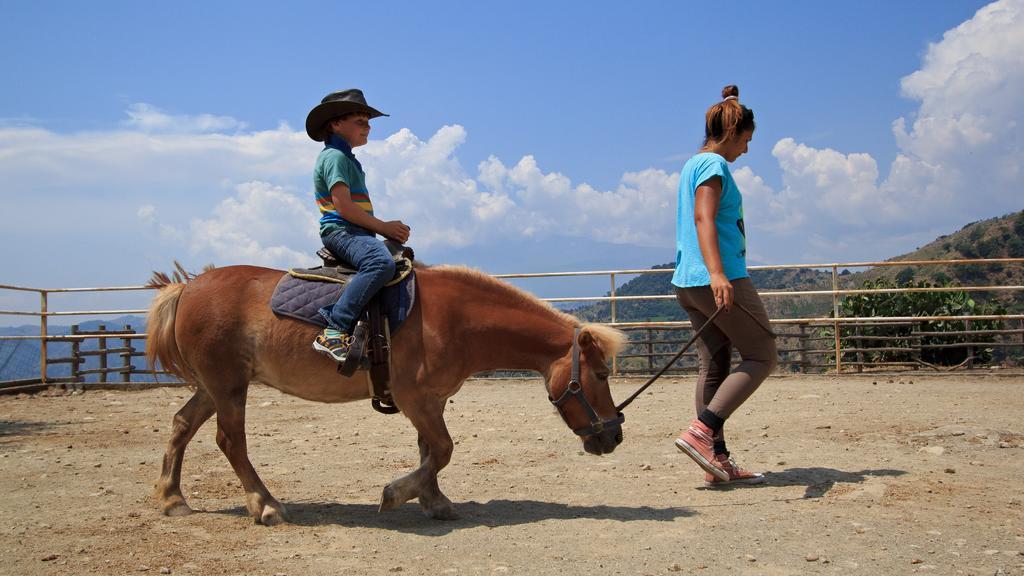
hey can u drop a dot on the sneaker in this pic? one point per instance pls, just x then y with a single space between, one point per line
698 443
737 475
333 343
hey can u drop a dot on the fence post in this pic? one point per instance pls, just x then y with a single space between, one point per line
916 342
75 358
103 354
860 348
42 335
127 356
615 359
835 315
801 347
650 350
970 349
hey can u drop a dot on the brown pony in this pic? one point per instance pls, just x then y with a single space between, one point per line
216 330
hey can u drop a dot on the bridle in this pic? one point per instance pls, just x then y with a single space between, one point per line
575 390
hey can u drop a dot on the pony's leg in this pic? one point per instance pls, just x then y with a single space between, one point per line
435 452
262 506
186 422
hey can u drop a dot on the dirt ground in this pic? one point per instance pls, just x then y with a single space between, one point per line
883 474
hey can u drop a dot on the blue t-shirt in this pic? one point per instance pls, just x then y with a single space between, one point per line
732 241
332 167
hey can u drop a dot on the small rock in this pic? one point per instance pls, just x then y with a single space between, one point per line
916 561
1004 445
645 467
395 569
780 463
950 470
811 557
142 568
675 568
49 558
749 558
165 570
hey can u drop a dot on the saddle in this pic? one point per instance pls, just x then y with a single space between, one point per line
303 291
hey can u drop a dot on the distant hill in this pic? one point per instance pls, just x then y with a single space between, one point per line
668 310
993 238
1001 237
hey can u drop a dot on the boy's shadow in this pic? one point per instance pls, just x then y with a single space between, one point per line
818 481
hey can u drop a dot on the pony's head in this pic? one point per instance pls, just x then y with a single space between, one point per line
577 385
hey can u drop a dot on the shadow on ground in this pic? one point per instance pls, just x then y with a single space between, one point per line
409 518
818 481
22 427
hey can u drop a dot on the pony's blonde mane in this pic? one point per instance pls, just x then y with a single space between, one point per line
610 340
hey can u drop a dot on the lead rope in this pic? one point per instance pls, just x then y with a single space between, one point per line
693 339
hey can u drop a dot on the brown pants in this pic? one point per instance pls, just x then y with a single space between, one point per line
720 389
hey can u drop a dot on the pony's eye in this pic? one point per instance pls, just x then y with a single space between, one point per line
602 375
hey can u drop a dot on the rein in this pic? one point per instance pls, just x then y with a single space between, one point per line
575 390
693 339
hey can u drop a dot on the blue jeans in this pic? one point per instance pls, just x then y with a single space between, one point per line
375 268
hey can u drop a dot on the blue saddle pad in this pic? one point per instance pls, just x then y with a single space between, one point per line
302 299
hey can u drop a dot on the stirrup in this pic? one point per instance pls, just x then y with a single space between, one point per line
355 350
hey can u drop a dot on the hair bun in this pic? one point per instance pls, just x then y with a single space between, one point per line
730 90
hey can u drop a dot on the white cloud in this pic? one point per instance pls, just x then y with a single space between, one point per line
147 118
959 155
207 185
262 224
183 184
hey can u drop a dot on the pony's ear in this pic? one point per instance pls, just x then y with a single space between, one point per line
591 350
585 340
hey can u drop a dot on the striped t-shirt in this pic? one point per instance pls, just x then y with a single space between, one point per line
332 166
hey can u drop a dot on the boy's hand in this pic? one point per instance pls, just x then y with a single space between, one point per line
395 230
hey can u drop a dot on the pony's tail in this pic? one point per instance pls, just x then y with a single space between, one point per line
160 342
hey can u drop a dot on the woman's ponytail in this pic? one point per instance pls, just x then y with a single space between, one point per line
727 118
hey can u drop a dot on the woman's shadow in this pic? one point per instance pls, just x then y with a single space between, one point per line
817 481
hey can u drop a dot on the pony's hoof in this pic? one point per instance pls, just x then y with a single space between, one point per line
389 500
175 507
443 513
273 516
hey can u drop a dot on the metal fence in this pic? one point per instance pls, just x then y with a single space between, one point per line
837 322
807 330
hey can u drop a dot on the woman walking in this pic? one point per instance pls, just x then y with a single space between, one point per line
711 273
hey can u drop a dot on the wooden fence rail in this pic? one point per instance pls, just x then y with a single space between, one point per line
122 346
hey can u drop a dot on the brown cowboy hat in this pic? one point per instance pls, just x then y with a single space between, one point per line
336 104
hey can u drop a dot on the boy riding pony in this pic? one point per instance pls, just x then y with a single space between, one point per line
348 227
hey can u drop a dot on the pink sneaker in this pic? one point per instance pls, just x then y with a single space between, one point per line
698 443
737 475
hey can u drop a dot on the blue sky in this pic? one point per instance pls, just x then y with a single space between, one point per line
523 136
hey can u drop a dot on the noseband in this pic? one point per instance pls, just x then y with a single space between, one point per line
575 390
